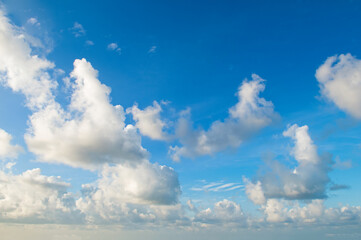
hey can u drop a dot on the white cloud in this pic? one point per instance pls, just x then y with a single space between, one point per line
126 192
33 21
32 197
22 71
340 82
148 121
217 187
7 150
78 30
247 117
114 47
91 133
306 181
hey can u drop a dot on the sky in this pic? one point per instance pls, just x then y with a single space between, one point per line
180 119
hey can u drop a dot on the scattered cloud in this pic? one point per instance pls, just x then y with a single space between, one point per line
247 117
114 47
78 30
89 43
148 121
33 21
7 150
153 49
340 82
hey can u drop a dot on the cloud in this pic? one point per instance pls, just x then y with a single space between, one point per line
114 47
20 70
34 198
218 187
78 30
308 180
92 132
312 213
89 43
340 82
148 121
247 117
7 150
33 21
224 212
153 49
135 192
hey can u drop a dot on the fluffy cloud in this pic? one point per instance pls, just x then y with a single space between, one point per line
32 197
125 191
148 121
306 181
224 212
91 133
22 71
247 117
114 47
340 82
313 212
7 150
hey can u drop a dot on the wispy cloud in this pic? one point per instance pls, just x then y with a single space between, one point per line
217 187
114 47
33 21
152 49
78 30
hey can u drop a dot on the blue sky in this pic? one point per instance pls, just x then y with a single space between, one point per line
160 116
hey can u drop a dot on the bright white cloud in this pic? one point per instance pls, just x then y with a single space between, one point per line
307 181
247 117
148 121
32 197
128 191
22 71
114 47
7 150
78 30
91 133
340 82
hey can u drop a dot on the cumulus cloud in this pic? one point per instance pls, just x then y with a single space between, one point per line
124 191
7 150
92 132
313 212
114 47
148 121
340 82
306 181
20 70
32 197
78 30
33 21
247 117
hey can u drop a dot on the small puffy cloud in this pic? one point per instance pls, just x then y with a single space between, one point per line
224 212
114 47
148 121
308 180
33 21
248 116
136 192
78 30
7 150
21 70
34 198
340 82
92 132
